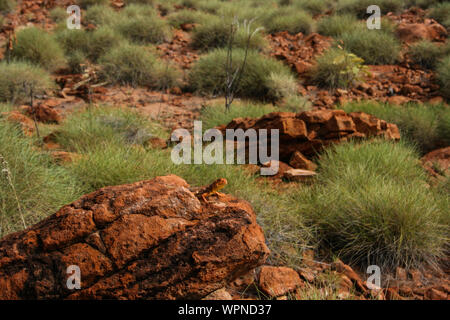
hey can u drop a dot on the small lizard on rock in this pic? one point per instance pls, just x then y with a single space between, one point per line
213 188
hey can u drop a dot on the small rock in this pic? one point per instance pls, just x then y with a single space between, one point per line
299 175
278 281
299 161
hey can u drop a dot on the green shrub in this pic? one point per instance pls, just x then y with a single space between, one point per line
139 10
101 15
7 5
359 7
185 16
337 68
84 130
109 164
288 19
41 187
144 29
75 59
425 53
215 33
314 7
101 41
372 206
441 13
424 126
295 103
14 75
443 74
209 74
58 14
37 46
337 25
72 40
134 65
88 3
128 2
374 46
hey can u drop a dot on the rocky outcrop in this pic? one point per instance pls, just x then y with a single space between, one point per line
304 134
148 240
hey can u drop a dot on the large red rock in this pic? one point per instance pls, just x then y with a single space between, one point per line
147 240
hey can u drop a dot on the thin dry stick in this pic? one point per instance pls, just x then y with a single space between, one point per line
232 80
7 173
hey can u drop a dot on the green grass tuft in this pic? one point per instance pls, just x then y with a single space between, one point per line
134 65
425 126
13 76
374 46
41 187
372 206
209 73
443 75
39 47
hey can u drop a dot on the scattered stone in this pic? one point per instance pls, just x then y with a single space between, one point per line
278 281
299 175
156 143
25 123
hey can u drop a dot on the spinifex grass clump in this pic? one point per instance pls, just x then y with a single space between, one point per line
209 74
31 187
134 65
337 25
337 68
84 130
39 47
15 75
425 53
215 33
372 206
374 46
443 73
359 7
87 3
101 15
7 5
288 19
141 24
424 126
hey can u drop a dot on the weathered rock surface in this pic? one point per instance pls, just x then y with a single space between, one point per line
437 162
277 281
309 132
148 240
44 113
25 123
